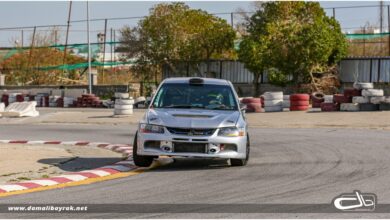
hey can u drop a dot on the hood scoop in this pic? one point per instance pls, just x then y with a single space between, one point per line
192 116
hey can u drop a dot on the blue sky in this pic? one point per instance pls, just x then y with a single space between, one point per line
21 14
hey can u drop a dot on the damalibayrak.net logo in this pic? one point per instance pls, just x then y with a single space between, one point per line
356 201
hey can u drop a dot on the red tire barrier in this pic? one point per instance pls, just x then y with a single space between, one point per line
299 97
60 102
19 98
317 97
299 108
299 103
250 100
340 98
4 99
253 107
351 92
330 107
262 100
88 100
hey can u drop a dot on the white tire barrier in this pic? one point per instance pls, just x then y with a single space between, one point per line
273 101
377 100
359 85
124 101
120 95
286 101
349 107
123 111
273 96
387 99
273 108
140 99
2 107
372 92
53 101
328 98
12 97
123 107
360 99
68 101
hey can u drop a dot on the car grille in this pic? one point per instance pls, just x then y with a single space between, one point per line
189 147
192 131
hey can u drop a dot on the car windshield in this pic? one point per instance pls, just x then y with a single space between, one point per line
203 96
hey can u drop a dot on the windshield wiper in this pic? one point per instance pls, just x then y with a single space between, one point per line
219 107
182 106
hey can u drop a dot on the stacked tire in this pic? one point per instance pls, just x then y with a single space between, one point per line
4 99
252 104
299 102
286 101
53 101
328 105
375 97
316 99
13 97
140 102
273 101
68 102
123 104
348 103
385 104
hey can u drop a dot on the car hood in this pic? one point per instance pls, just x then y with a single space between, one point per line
192 118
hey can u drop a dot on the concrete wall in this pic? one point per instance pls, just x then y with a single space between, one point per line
243 89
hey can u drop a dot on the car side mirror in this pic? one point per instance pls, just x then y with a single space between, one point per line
242 107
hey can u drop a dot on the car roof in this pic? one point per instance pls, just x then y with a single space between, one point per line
185 80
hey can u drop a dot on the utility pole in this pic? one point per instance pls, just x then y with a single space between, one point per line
111 32
114 48
89 53
364 41
31 53
104 47
22 40
55 36
232 19
334 13
388 27
66 37
381 16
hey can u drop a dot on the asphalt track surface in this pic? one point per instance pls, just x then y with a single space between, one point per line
287 167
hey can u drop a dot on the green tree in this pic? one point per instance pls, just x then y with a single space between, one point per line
300 39
251 53
174 32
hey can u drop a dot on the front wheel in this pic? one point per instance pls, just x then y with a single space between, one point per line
242 162
141 161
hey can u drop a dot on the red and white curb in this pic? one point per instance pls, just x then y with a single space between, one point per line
121 166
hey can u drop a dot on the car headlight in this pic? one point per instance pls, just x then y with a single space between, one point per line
149 128
231 132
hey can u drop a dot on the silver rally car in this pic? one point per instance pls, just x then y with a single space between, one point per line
193 117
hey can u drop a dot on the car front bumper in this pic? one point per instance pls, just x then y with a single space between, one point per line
151 144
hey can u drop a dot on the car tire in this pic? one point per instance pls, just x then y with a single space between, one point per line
141 161
242 162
